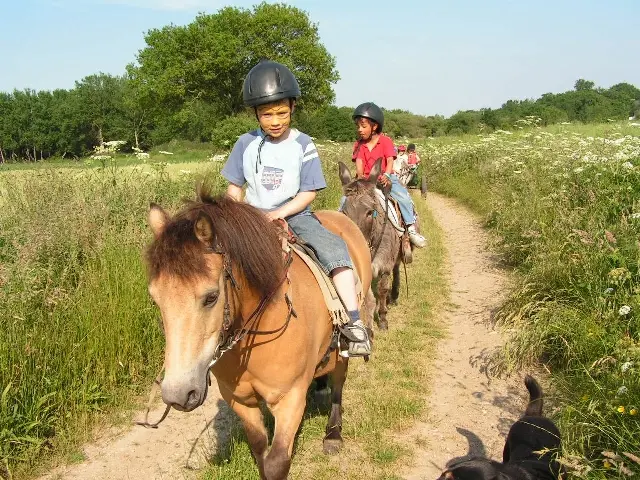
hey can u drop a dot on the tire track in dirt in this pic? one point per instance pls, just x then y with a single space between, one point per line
175 450
468 412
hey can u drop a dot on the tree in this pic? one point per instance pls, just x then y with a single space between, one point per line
463 122
207 61
101 105
582 84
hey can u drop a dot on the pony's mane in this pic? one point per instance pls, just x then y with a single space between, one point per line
243 232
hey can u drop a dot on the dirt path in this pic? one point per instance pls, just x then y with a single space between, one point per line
468 412
179 446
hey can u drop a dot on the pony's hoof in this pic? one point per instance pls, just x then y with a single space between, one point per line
383 325
331 446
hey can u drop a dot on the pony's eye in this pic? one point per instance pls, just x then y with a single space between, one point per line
210 300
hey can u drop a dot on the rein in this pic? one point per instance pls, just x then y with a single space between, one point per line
228 339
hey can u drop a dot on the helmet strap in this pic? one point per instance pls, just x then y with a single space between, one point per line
264 139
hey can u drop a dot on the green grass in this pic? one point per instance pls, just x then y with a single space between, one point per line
564 205
80 336
381 398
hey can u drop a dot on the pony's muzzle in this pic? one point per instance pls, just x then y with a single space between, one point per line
184 392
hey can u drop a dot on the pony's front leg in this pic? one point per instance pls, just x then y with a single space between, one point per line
253 423
288 414
383 291
395 285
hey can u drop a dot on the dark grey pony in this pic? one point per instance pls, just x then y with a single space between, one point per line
362 206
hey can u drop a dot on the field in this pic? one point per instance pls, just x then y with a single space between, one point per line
564 204
81 340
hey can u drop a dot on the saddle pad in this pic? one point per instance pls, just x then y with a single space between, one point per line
336 309
393 213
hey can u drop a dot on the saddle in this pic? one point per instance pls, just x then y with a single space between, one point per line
337 310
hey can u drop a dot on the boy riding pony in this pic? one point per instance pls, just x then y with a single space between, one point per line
281 169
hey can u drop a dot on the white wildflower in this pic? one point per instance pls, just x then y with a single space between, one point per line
608 291
635 216
624 310
622 391
627 165
115 143
578 170
165 153
626 366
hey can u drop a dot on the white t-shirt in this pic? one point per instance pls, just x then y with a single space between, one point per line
401 160
285 168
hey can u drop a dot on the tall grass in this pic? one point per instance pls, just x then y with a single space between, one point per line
565 205
79 335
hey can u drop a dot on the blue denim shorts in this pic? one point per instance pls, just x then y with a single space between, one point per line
330 249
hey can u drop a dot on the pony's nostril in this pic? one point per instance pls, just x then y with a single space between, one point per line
192 398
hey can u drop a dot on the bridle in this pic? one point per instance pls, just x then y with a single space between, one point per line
372 234
229 337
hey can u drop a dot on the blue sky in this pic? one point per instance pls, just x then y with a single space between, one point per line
425 56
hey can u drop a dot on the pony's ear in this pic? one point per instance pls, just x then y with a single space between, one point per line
345 174
375 171
158 219
203 229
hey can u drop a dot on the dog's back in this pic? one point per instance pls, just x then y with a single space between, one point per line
532 435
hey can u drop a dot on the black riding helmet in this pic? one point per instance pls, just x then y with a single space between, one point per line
371 111
269 82
411 147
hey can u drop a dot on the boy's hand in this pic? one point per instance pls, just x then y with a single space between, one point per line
275 215
384 180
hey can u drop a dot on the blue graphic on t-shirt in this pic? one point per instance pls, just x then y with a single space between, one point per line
272 178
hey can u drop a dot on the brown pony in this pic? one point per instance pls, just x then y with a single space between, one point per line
363 208
230 304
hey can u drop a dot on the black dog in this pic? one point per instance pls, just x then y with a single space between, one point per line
529 452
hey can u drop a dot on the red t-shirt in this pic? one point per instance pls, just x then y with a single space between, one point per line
382 149
413 158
